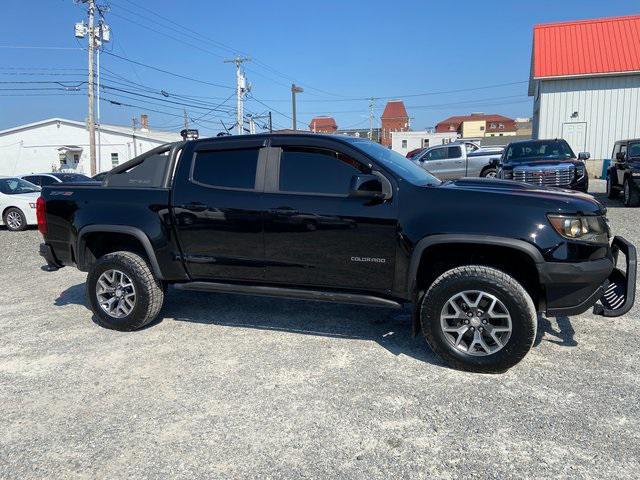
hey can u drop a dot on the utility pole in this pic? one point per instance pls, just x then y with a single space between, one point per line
270 123
92 125
97 36
371 105
186 119
294 89
134 122
241 89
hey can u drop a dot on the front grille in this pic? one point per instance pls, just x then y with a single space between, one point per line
551 176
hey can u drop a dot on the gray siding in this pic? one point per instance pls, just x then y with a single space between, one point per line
609 106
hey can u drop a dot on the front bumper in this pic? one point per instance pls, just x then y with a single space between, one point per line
573 288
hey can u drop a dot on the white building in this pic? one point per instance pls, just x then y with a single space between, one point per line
404 142
59 144
585 80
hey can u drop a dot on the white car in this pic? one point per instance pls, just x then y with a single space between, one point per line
18 203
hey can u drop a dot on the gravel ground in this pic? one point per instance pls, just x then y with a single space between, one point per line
230 386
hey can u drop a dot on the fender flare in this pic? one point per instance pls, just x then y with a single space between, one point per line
432 240
133 231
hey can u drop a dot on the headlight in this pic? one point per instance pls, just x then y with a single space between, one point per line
580 171
592 229
507 174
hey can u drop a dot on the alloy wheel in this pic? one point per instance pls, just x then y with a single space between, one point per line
14 220
476 323
115 293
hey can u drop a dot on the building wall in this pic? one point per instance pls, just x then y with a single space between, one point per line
608 108
390 125
473 128
404 142
501 134
35 149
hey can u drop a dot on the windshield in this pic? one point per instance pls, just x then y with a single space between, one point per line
12 186
526 151
398 164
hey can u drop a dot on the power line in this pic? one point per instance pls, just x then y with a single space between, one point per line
204 82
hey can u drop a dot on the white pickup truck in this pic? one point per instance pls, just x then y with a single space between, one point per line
459 159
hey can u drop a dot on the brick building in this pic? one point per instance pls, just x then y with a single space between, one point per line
478 125
323 125
394 119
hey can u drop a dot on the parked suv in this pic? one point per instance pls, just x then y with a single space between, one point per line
341 219
548 163
624 172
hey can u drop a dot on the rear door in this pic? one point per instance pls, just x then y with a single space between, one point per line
317 235
446 163
218 209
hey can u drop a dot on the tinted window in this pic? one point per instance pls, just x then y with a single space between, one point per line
227 168
44 180
72 177
148 171
435 154
312 170
634 150
454 152
33 179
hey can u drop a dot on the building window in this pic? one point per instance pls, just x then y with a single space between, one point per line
482 128
452 128
492 126
63 159
404 144
500 135
114 160
76 158
501 125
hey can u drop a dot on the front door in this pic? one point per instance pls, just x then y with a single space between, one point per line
446 163
575 133
218 211
315 233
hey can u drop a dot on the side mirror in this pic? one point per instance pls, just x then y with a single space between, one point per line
621 156
584 156
367 186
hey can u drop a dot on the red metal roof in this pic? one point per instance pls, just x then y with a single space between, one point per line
586 47
395 109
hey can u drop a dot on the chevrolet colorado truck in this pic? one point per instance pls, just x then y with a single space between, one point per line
341 219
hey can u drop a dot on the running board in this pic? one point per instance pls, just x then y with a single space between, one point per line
293 293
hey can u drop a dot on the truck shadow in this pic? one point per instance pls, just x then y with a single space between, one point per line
563 335
390 328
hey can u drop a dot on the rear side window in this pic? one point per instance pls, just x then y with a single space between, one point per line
33 179
48 181
454 152
227 168
148 171
314 170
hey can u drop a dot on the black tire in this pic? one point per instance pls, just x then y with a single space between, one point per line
149 291
517 301
631 194
489 172
613 190
12 226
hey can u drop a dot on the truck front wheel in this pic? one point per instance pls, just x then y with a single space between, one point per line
122 291
478 319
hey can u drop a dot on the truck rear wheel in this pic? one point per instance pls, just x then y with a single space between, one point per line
478 319
122 291
631 194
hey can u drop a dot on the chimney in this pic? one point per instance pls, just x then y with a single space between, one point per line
144 122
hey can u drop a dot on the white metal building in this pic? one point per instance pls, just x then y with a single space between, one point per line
59 144
404 142
585 80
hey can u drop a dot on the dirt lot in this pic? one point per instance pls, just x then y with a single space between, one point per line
231 386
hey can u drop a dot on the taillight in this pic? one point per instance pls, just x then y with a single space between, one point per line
41 216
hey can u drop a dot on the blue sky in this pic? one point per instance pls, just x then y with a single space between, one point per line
342 52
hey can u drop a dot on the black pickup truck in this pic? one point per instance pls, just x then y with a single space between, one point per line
341 219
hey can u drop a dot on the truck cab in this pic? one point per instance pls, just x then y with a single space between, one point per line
457 160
